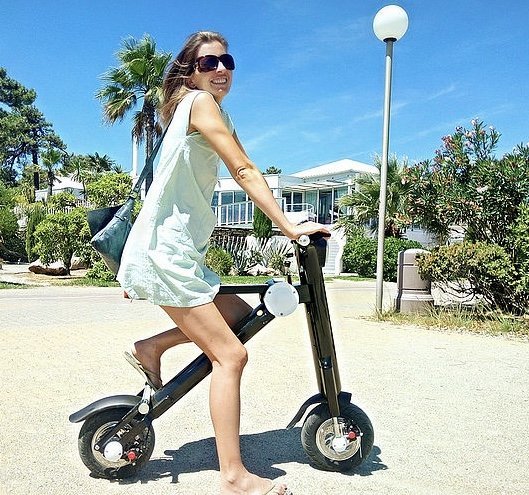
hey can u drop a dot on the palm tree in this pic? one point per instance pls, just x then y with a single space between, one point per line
365 200
77 167
51 159
138 77
99 164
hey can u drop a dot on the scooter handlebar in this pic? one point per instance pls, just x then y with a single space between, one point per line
304 240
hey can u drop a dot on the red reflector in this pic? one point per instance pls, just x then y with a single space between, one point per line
131 456
351 435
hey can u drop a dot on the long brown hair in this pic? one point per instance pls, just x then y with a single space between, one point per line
175 85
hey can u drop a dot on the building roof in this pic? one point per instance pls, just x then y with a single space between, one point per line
66 183
339 167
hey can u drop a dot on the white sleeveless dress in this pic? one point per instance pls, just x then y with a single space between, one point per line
163 259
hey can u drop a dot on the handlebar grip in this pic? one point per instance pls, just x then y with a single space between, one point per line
304 240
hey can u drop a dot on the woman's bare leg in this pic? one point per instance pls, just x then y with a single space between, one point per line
149 351
206 326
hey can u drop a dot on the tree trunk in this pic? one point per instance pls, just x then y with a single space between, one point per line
50 185
149 131
36 176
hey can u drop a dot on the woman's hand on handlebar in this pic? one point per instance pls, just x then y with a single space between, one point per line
307 228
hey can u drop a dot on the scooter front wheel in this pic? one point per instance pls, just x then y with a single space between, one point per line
332 452
117 461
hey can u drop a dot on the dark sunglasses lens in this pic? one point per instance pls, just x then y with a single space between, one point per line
227 61
208 63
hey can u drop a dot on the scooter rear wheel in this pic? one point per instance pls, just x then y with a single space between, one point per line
319 440
99 465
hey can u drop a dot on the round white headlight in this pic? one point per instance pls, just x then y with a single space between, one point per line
281 299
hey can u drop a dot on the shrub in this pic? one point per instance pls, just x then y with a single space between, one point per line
262 225
477 269
61 235
392 248
100 272
109 189
360 255
35 215
219 260
11 245
242 258
62 200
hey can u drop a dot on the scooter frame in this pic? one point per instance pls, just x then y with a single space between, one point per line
149 405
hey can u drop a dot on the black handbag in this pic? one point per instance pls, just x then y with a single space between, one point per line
110 227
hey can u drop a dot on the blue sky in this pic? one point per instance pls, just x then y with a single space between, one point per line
308 88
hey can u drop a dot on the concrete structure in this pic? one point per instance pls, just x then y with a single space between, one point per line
413 292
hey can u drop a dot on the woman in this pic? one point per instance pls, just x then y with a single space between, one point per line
163 260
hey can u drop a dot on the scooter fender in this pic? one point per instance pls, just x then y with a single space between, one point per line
315 399
111 402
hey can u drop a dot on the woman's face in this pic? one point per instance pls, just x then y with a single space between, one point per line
217 82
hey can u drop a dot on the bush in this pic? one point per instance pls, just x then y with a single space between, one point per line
360 255
100 272
219 260
61 235
262 225
110 189
11 245
477 269
35 215
392 248
62 200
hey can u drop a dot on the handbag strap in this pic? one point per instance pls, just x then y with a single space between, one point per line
135 193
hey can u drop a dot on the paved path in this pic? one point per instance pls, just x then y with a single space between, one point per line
450 410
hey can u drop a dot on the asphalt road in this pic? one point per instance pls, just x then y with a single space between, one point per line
450 410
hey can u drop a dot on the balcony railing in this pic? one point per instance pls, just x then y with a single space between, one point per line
241 214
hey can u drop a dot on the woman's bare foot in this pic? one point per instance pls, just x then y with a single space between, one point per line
149 351
250 484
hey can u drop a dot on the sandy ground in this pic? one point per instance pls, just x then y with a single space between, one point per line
450 410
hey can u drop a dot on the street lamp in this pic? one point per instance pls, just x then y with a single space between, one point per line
390 24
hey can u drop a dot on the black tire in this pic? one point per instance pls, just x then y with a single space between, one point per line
317 434
94 427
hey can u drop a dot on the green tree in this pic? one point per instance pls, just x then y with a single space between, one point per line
364 201
24 131
138 77
110 189
78 168
467 186
99 164
61 235
272 170
51 161
262 225
35 214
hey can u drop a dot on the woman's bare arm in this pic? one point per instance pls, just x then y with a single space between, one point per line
206 118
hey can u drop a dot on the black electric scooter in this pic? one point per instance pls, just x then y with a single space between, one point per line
117 437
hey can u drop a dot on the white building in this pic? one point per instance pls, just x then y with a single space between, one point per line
61 184
311 194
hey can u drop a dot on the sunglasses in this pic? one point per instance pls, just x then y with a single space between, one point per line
207 63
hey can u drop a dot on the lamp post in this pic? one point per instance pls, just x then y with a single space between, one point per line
390 24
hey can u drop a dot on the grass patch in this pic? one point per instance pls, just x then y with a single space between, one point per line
87 282
14 285
244 279
475 319
350 278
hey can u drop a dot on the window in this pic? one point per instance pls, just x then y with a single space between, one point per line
239 197
226 197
